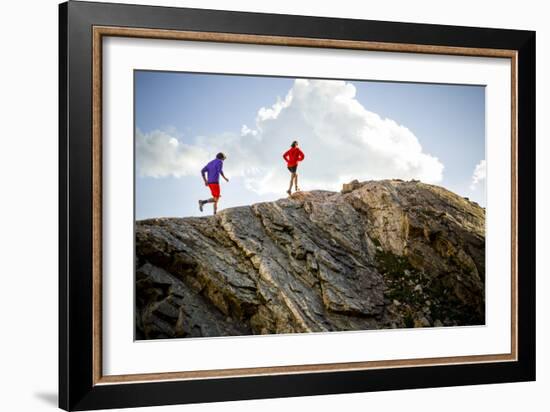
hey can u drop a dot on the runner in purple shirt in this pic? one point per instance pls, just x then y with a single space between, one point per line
213 170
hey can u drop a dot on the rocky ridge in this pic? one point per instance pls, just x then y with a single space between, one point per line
378 254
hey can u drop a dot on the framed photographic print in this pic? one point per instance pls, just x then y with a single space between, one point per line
256 205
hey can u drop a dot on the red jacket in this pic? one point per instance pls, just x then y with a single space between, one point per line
293 156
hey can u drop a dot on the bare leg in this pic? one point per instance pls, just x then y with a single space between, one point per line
296 182
289 191
203 202
215 204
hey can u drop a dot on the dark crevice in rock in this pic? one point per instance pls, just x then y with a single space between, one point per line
380 254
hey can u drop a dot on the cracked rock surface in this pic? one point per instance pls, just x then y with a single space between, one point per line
378 254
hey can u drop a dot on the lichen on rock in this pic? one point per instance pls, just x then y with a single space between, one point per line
379 254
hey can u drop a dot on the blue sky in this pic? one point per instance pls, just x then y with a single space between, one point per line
348 129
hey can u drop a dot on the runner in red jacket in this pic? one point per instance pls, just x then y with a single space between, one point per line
292 157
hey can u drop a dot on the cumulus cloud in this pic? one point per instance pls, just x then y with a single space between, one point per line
341 139
245 131
480 173
159 154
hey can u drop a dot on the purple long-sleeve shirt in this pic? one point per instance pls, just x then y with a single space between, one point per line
213 169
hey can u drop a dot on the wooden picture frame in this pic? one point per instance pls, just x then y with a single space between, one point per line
83 26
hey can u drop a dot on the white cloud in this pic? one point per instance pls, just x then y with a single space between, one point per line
480 172
245 131
159 154
340 138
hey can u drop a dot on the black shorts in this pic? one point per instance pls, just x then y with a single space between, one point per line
293 169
